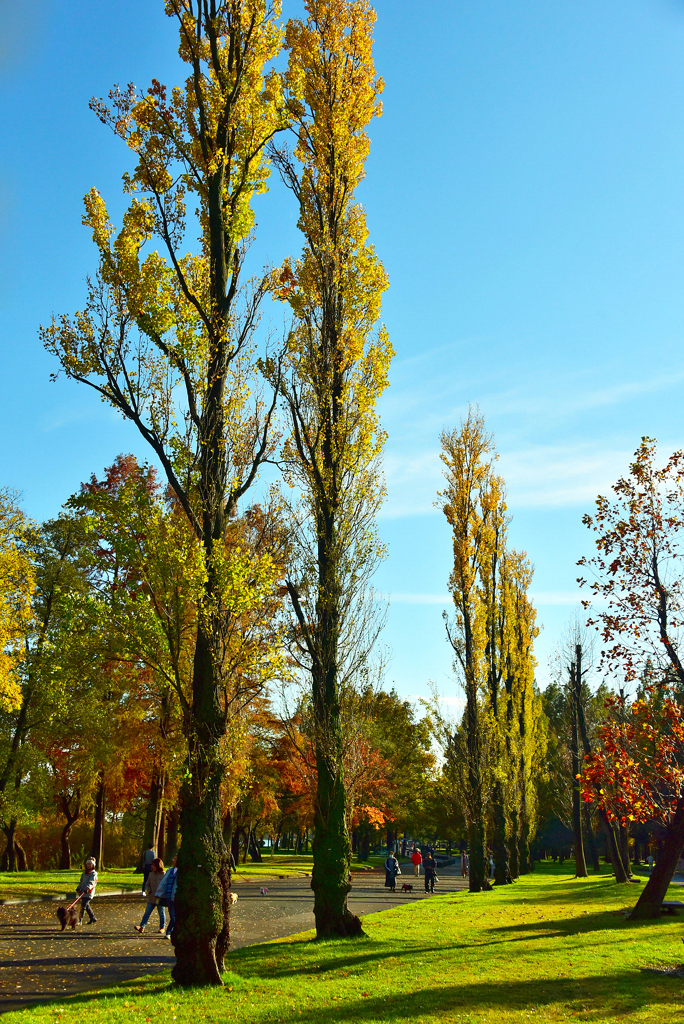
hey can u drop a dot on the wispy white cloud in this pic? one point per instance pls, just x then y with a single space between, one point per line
537 476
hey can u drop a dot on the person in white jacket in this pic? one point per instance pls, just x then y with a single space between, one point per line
87 886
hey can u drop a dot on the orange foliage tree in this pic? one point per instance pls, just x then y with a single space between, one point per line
638 594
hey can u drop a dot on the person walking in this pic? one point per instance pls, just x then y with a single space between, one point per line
166 892
464 869
153 881
391 871
148 857
430 865
416 860
87 886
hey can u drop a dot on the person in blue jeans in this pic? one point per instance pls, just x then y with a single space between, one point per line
153 880
166 891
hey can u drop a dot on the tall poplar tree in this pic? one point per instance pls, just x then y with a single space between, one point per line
337 364
492 634
166 339
469 503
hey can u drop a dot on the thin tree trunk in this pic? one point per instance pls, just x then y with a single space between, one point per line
619 870
513 843
591 839
72 817
10 854
476 826
20 852
651 899
575 701
172 819
97 848
152 816
502 873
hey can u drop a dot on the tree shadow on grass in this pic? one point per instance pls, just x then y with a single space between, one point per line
263 960
590 998
606 920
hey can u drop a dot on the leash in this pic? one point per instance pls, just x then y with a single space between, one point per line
74 903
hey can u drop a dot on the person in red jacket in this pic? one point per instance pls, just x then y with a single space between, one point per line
416 860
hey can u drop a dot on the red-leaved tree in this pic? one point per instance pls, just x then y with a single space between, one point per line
638 605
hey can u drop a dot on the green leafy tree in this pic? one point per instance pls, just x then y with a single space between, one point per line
166 338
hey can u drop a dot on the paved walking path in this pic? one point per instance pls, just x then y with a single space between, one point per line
39 962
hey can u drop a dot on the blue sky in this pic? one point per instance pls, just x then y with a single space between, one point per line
525 191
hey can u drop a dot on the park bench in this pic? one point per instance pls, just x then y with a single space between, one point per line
671 906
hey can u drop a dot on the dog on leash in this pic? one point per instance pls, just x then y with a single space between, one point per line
407 887
233 898
68 917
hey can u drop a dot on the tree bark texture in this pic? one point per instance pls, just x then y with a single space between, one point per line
9 857
619 870
172 823
591 839
651 899
72 815
575 701
201 934
330 879
476 825
502 872
513 844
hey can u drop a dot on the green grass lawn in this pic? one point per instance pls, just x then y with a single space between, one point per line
549 948
33 884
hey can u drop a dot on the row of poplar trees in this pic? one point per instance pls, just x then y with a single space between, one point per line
493 757
169 337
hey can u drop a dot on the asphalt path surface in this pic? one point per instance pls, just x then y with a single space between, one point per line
38 962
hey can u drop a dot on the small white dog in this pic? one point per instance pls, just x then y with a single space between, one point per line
233 898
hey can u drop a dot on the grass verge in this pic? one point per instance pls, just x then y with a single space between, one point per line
551 947
34 884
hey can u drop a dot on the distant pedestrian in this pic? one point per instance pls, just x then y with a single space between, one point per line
166 891
391 872
650 860
153 881
416 860
491 866
464 869
87 886
148 856
430 865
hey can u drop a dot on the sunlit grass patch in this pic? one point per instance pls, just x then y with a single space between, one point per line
549 948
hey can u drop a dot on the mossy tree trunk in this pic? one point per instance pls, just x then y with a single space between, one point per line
201 935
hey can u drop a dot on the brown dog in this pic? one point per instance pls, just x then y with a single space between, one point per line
407 887
68 917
